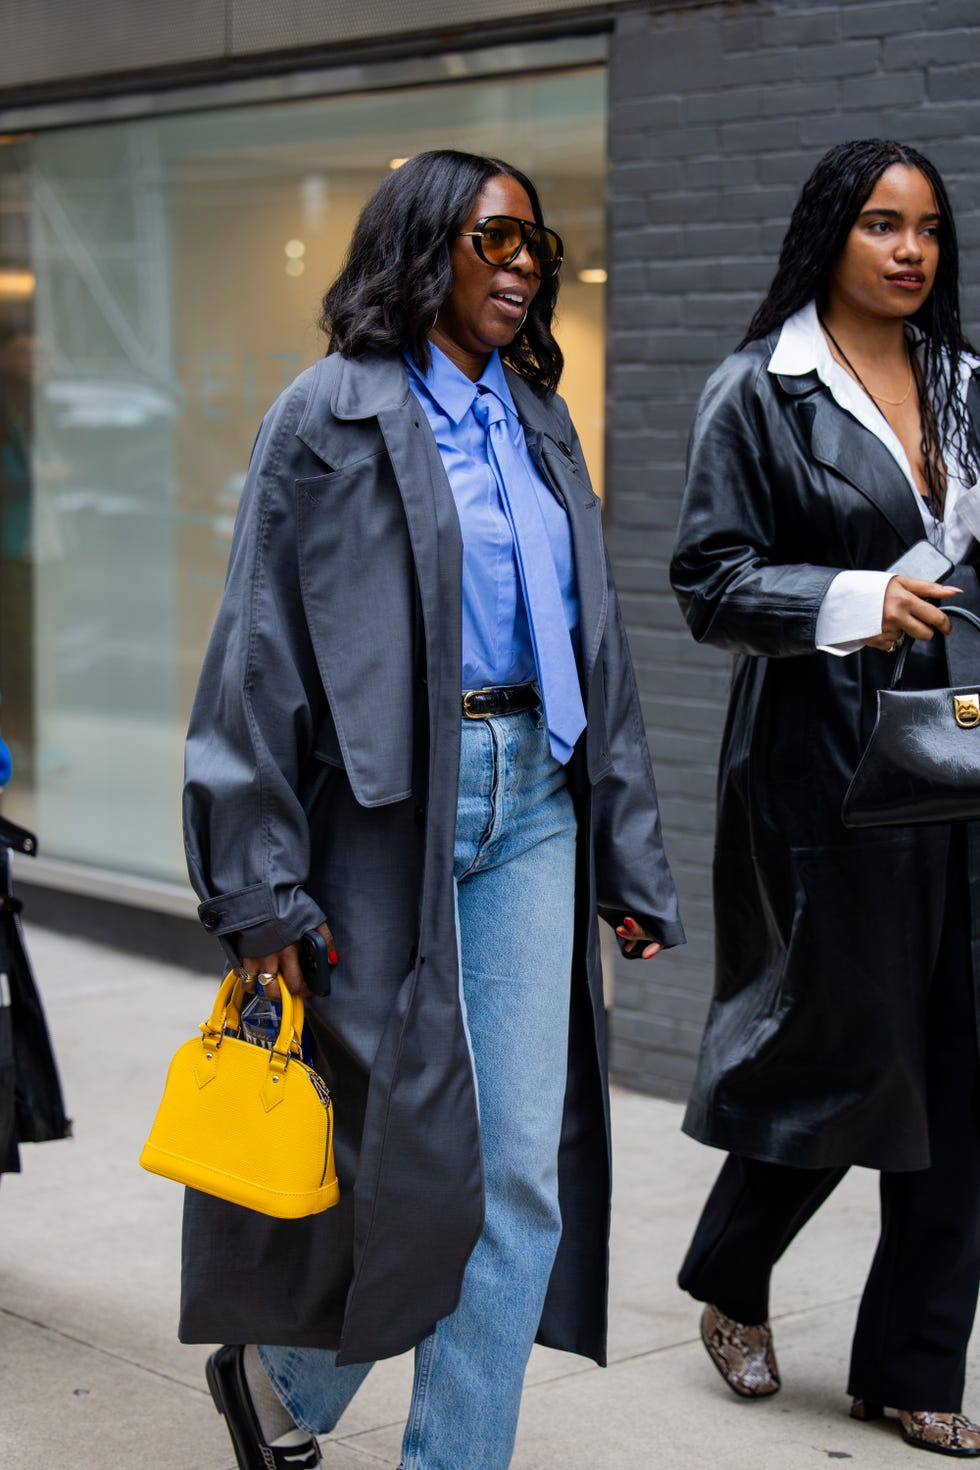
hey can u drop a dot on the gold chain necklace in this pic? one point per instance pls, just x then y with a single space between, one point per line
878 397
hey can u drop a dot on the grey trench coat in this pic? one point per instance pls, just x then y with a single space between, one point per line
321 775
813 1053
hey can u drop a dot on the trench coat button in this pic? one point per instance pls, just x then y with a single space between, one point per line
420 816
211 920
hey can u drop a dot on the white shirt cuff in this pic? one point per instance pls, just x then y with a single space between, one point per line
851 611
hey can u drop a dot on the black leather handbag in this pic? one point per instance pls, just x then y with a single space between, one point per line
922 763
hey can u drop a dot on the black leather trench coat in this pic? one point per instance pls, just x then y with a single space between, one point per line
824 938
321 778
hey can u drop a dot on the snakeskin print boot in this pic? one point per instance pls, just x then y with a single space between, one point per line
743 1354
944 1434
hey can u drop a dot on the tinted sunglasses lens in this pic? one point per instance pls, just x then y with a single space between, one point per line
546 249
501 240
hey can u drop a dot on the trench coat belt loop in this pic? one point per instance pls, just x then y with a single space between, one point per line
506 699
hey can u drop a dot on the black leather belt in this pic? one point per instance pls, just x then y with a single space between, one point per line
506 699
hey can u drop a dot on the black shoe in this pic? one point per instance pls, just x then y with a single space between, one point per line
229 1389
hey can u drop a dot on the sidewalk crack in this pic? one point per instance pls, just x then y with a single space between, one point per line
104 1352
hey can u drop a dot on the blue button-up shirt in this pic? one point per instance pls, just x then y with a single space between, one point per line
496 638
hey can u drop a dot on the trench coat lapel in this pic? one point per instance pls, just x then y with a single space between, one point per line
555 461
433 1176
858 456
378 388
437 547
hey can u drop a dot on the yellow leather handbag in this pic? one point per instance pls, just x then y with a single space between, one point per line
246 1124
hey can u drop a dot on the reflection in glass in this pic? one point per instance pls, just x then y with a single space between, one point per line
17 286
178 264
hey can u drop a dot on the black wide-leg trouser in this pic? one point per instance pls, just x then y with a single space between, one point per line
916 1313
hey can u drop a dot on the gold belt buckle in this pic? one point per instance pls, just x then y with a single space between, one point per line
472 714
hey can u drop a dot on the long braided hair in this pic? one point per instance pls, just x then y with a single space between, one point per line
830 202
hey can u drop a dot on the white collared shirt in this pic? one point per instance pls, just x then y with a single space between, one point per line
852 607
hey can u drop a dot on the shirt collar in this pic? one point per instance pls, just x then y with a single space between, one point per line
452 391
493 380
802 347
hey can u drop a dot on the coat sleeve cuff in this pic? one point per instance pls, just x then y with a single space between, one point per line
238 910
668 932
251 921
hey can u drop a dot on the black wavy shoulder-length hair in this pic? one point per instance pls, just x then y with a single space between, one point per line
829 204
397 273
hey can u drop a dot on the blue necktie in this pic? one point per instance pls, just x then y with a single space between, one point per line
553 653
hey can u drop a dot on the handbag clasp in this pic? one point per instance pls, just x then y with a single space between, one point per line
966 710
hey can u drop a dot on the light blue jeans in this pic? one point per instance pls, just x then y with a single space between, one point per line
515 879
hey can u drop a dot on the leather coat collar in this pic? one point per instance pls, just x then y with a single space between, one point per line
867 464
864 462
849 449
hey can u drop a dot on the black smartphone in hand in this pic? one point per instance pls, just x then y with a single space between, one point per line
314 962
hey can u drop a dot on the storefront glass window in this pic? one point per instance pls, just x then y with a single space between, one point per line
159 285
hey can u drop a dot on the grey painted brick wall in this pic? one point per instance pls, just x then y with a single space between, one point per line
717 114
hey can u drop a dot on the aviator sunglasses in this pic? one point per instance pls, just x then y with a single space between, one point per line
498 240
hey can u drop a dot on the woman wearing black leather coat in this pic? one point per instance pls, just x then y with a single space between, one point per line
842 1030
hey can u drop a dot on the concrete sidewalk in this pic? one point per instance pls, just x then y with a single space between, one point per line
94 1379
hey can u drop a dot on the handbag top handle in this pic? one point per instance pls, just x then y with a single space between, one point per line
226 1015
903 652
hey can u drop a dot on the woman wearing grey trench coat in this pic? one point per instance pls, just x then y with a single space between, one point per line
323 766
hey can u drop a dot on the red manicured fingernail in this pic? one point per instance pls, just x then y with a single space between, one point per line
629 923
332 956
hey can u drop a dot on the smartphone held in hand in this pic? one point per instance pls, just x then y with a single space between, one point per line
923 561
314 961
